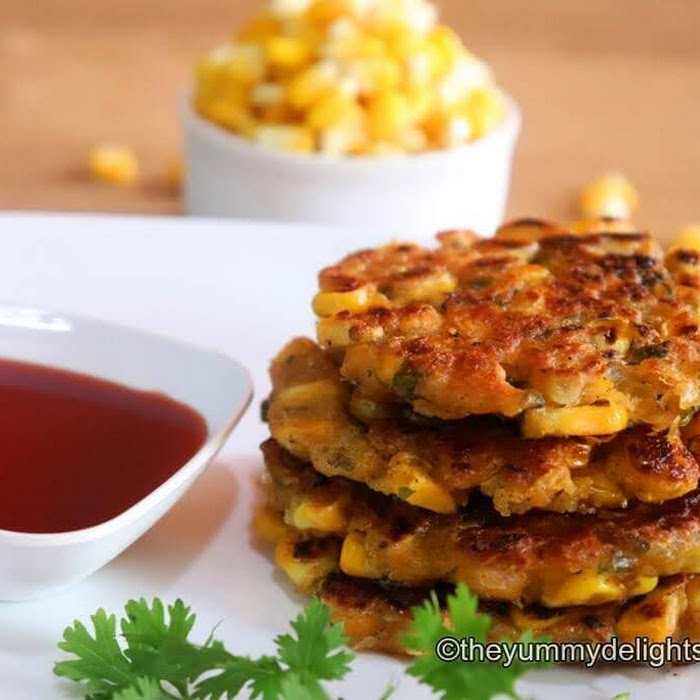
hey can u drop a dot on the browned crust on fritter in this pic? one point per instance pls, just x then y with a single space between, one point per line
484 453
376 615
532 321
513 559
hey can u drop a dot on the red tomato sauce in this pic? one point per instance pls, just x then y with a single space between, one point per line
76 451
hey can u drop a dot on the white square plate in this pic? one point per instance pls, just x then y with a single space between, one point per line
244 289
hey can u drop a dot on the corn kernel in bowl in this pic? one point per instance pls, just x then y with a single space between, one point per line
349 77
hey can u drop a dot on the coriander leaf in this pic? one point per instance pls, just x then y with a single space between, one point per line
622 696
143 689
318 650
264 673
404 493
295 688
458 680
267 681
467 621
147 626
157 643
100 661
315 654
405 381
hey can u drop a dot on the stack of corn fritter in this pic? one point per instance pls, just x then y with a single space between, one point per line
514 413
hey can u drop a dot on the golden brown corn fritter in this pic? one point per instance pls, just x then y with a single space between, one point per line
437 464
539 558
376 615
576 334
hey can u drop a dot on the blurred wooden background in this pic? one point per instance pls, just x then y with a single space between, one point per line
603 84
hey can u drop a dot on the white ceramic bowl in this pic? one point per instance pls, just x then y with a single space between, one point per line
404 195
216 386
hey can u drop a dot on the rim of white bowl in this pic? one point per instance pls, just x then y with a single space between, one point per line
507 131
211 445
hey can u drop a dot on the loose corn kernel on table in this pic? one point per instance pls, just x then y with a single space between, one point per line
603 87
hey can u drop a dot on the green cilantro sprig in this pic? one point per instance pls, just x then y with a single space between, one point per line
458 680
157 661
153 658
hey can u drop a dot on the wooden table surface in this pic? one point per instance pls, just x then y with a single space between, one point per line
604 84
